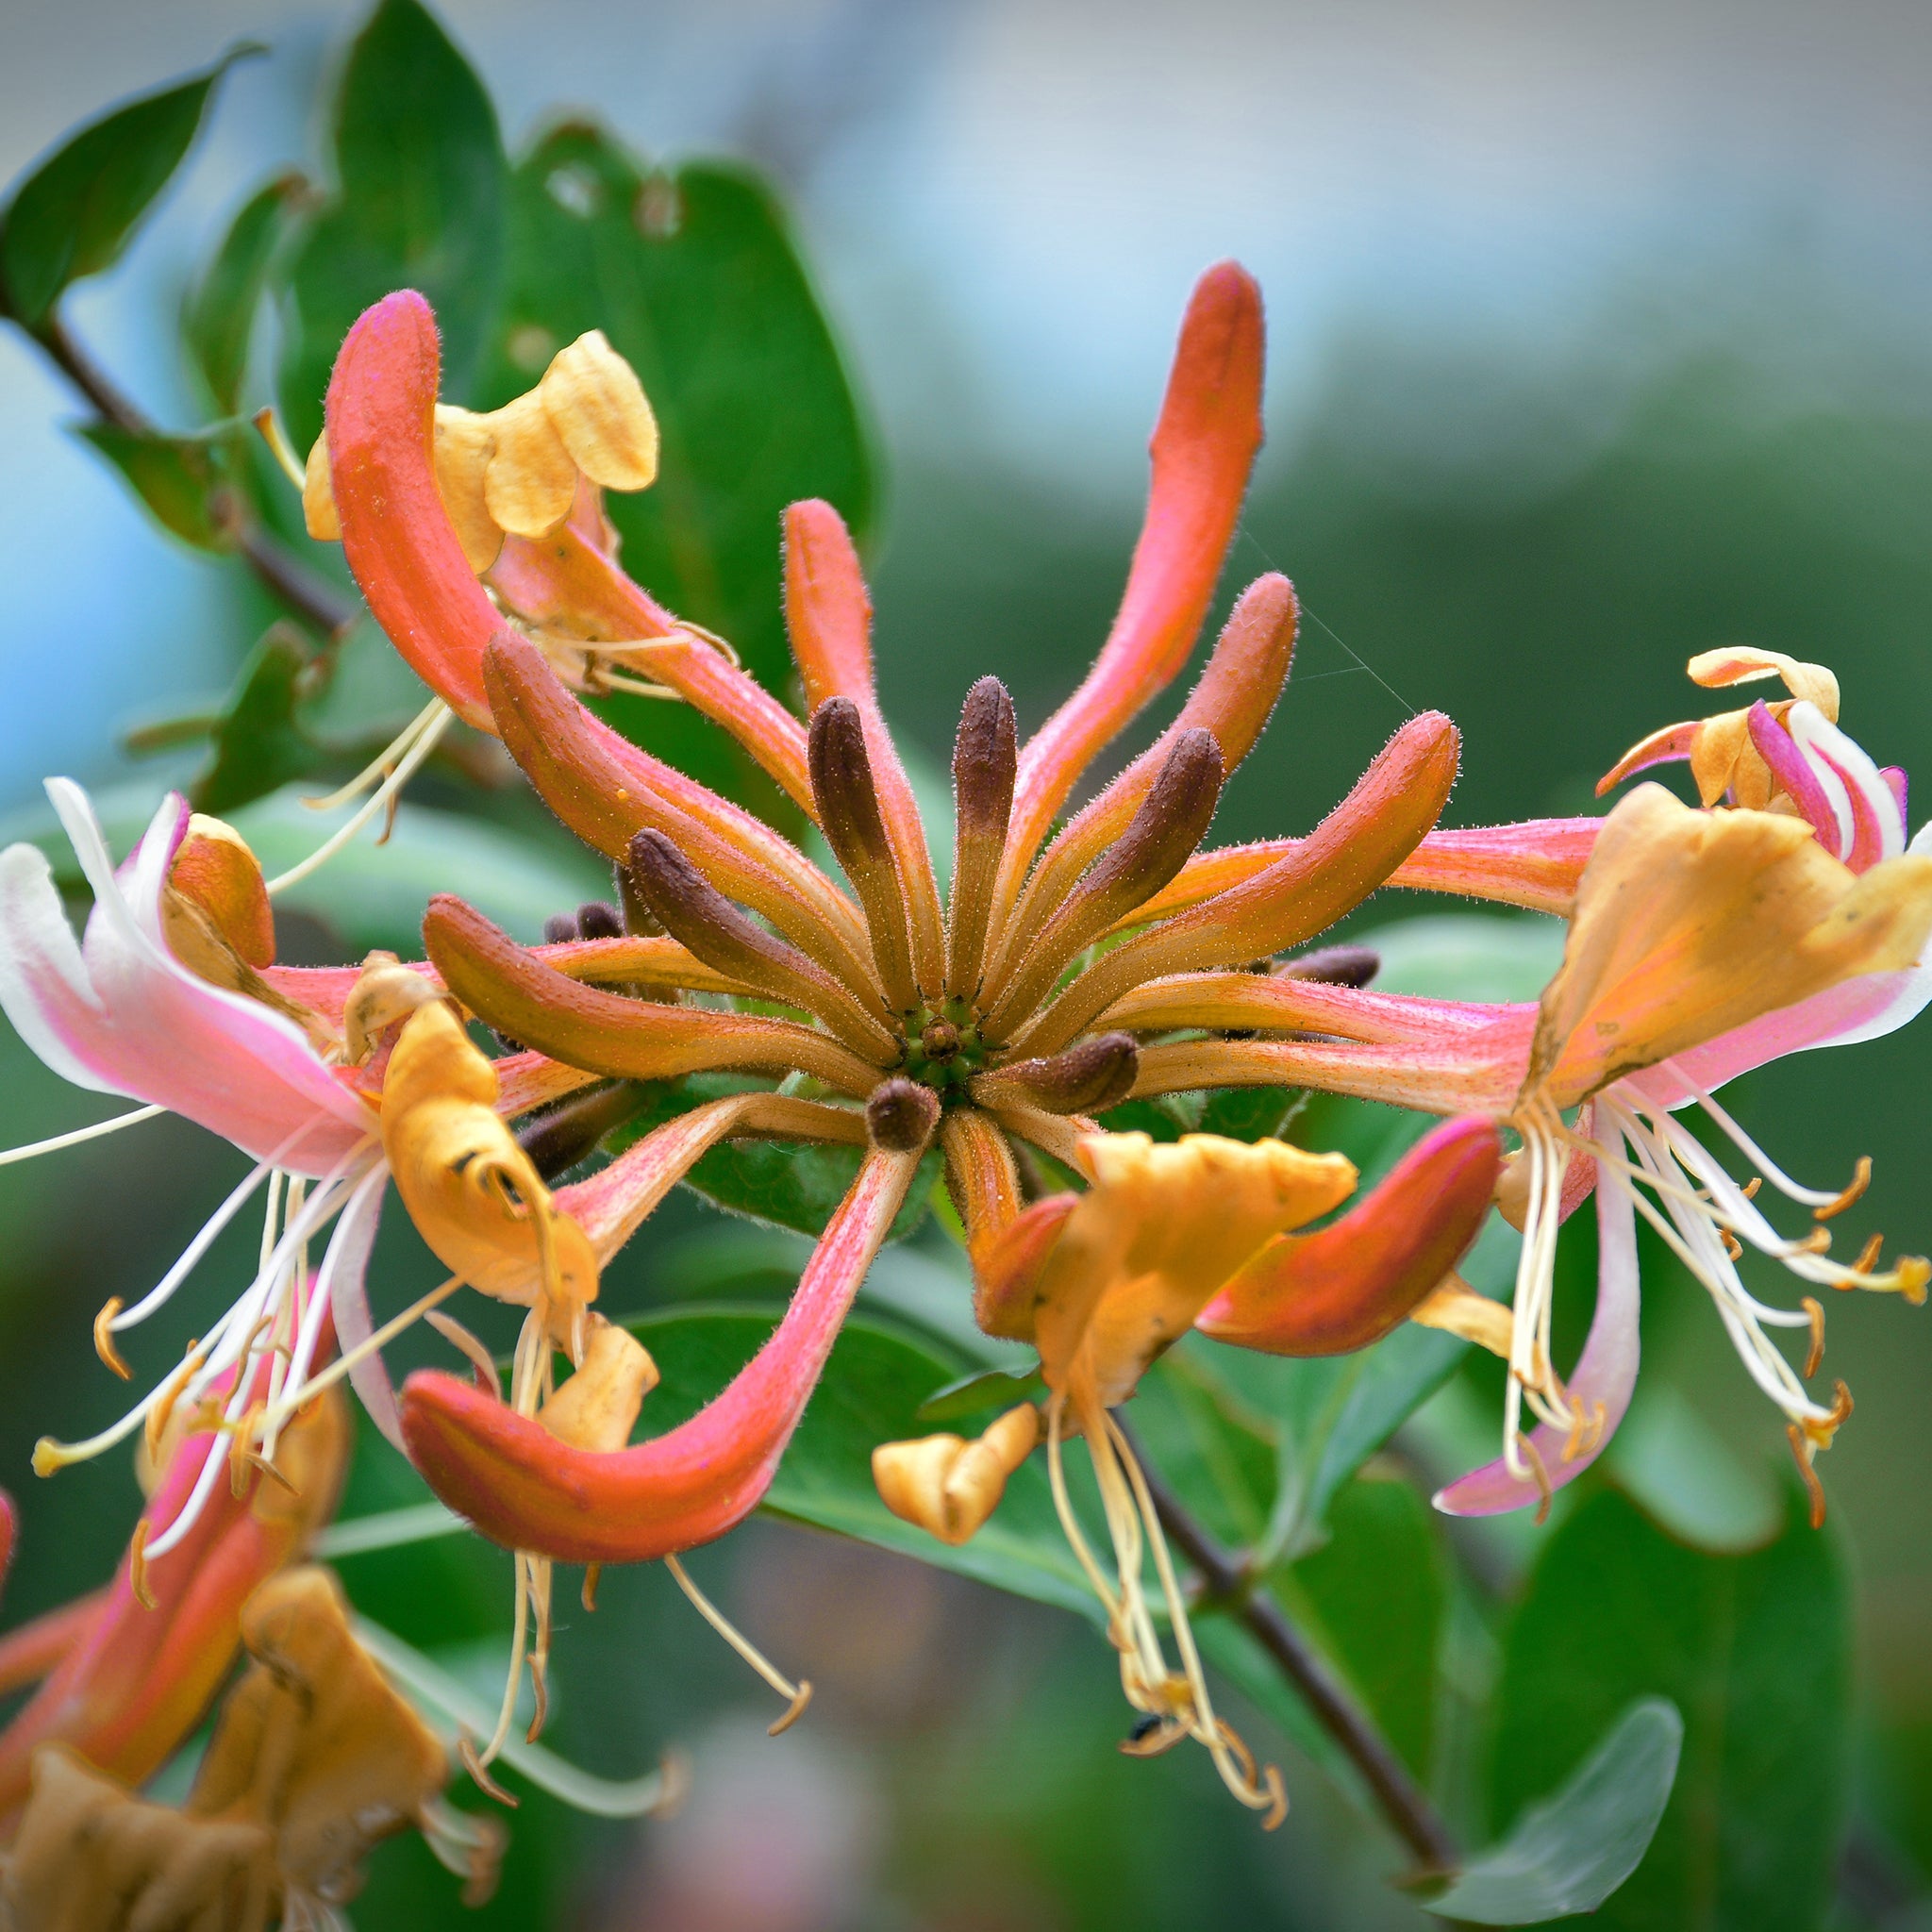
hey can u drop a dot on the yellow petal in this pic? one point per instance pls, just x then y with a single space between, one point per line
598 406
465 444
597 1407
1744 663
529 480
1721 746
947 1486
470 1189
1689 924
1153 1239
313 1742
319 495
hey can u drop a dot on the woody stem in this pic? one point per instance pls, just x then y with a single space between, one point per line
1400 1800
283 574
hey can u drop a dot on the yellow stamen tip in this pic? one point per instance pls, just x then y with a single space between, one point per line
137 1567
797 1710
104 1339
50 1456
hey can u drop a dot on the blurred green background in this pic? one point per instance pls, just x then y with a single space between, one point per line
1598 337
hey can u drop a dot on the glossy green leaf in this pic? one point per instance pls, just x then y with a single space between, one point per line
74 213
693 277
1754 1650
878 1375
186 483
1571 1849
420 205
1374 1595
220 314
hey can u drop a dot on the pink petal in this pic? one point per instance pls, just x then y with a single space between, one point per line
1821 802
1606 1373
121 1015
349 1251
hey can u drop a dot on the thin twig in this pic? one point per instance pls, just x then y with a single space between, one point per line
1232 1585
285 575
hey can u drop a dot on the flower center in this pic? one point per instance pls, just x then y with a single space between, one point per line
944 1049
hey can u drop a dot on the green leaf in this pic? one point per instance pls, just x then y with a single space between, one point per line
188 484
782 1184
1375 1595
74 213
982 1393
219 317
1754 1649
421 172
878 1376
258 743
693 277
1569 1853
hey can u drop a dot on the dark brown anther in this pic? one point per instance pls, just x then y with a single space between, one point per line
1332 965
940 1042
567 1133
1086 1078
986 756
598 920
901 1116
725 937
560 930
639 922
848 802
1160 838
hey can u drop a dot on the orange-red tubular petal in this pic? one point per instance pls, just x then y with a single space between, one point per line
828 613
606 791
1338 1289
1202 448
1007 1266
1432 1079
614 1202
1534 864
1348 856
980 1172
1233 700
396 535
565 581
605 1033
137 1680
526 1490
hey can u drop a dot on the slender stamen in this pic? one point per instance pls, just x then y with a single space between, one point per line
426 742
986 756
382 764
78 1134
799 1694
279 447
847 798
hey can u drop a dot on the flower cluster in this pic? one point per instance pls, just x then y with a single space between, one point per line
1075 963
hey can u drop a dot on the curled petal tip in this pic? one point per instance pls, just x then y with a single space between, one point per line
1349 1284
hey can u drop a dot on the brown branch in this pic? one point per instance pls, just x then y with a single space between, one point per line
1231 1584
285 575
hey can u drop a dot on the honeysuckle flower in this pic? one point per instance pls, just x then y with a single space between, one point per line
313 1759
126 1673
1702 944
885 1015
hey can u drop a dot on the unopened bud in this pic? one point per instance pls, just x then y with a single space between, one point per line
901 1115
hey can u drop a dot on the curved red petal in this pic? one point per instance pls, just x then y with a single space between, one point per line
401 546
1202 448
526 1490
1347 1286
